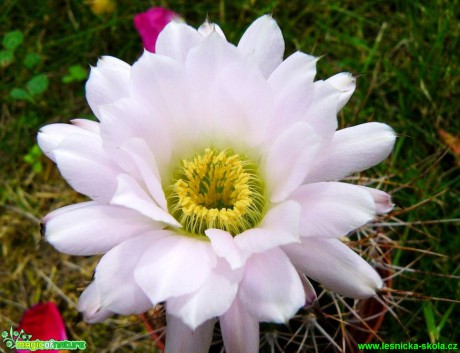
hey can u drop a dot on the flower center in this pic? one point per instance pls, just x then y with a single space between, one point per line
216 189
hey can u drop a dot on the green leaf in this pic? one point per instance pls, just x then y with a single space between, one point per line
12 40
36 150
31 60
430 322
37 167
76 73
29 159
37 84
20 94
445 317
6 58
33 158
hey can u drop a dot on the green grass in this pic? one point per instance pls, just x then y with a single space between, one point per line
407 59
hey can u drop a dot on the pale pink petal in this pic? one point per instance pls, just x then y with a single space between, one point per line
240 330
174 266
352 150
289 159
310 293
93 228
346 84
321 113
89 125
335 266
208 59
292 85
86 167
146 165
176 40
65 209
248 104
297 70
107 82
271 289
114 276
90 304
160 83
280 226
129 118
207 28
50 136
382 200
231 102
211 300
131 195
224 246
333 209
181 339
263 44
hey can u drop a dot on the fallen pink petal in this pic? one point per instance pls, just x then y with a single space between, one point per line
44 322
150 23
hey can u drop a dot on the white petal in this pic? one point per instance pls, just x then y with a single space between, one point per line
146 164
280 226
336 266
292 85
181 339
310 293
321 113
115 276
333 209
161 84
129 118
297 70
131 195
271 289
240 330
263 44
382 200
107 82
207 28
176 39
346 84
86 124
289 158
211 300
86 167
174 266
50 136
93 228
245 102
352 150
230 101
90 304
224 246
209 58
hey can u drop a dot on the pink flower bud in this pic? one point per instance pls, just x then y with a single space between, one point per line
150 23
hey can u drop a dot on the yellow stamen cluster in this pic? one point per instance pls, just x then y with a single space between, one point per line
216 189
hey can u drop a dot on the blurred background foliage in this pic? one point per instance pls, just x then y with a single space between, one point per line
406 57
